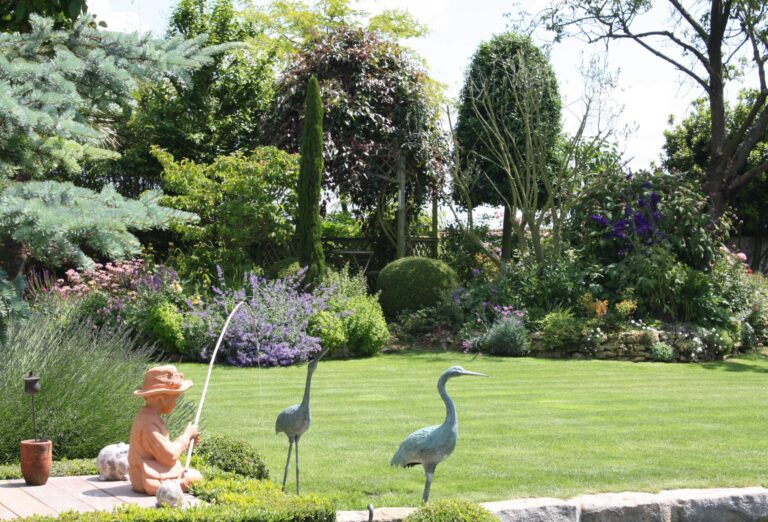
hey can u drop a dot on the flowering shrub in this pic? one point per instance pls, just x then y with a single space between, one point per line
125 293
272 329
507 336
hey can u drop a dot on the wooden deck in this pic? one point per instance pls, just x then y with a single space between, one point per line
67 493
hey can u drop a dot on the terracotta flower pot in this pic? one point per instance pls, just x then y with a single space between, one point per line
36 458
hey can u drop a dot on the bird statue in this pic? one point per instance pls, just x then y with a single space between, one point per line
294 421
432 445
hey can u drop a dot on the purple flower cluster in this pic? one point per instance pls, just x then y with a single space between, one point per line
272 330
638 225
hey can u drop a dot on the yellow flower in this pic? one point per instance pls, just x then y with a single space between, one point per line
601 308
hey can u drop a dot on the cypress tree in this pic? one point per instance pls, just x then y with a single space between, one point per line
308 228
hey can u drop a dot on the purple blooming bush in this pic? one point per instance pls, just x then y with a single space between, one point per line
271 330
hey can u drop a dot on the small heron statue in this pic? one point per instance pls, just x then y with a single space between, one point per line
432 445
294 421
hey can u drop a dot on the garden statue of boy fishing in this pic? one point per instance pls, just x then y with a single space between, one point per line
153 457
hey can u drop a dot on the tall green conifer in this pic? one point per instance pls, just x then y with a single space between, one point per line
308 226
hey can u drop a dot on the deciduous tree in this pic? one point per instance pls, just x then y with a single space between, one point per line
713 43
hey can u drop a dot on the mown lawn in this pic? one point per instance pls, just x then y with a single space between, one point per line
535 428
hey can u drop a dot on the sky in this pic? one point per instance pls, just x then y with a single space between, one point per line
648 90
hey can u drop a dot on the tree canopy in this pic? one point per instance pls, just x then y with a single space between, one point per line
509 119
379 106
687 152
60 92
200 120
713 43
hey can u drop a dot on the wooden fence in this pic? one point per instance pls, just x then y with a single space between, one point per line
358 252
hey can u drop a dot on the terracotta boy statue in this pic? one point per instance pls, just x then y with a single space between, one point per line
152 456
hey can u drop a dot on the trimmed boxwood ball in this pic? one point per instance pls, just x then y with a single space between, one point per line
284 267
451 511
232 454
412 283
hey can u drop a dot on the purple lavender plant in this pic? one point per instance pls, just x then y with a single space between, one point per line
273 331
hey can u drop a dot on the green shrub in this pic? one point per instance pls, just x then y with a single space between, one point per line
87 377
233 455
366 327
59 468
329 327
561 329
229 500
285 267
451 511
346 284
719 341
662 352
507 336
411 283
165 324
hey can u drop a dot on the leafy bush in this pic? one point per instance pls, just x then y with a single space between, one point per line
59 468
128 293
241 200
166 324
617 214
232 454
662 352
451 511
719 341
329 327
229 499
561 329
507 336
272 329
411 283
366 327
87 376
285 267
463 255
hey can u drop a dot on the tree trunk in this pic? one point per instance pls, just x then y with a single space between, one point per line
506 235
12 258
714 188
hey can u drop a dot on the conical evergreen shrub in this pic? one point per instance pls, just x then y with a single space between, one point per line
308 227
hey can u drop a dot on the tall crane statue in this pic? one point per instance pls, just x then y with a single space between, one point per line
432 445
294 421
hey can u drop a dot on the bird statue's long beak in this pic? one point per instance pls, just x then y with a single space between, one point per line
465 372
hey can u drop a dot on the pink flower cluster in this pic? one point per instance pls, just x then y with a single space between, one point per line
741 256
113 278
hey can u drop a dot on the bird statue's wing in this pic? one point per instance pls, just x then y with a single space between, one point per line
417 448
285 419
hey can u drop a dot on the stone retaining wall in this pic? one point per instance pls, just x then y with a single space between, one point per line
680 505
632 345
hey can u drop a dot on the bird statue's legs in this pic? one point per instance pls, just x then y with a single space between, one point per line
429 471
297 465
287 462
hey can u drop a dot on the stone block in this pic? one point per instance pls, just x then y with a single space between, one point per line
718 505
617 507
385 514
534 510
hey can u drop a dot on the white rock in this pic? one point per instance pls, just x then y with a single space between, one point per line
113 462
169 494
535 510
718 505
623 507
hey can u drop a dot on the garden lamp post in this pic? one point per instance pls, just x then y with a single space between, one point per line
32 387
36 454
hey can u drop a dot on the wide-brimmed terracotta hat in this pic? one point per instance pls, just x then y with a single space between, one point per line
163 380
